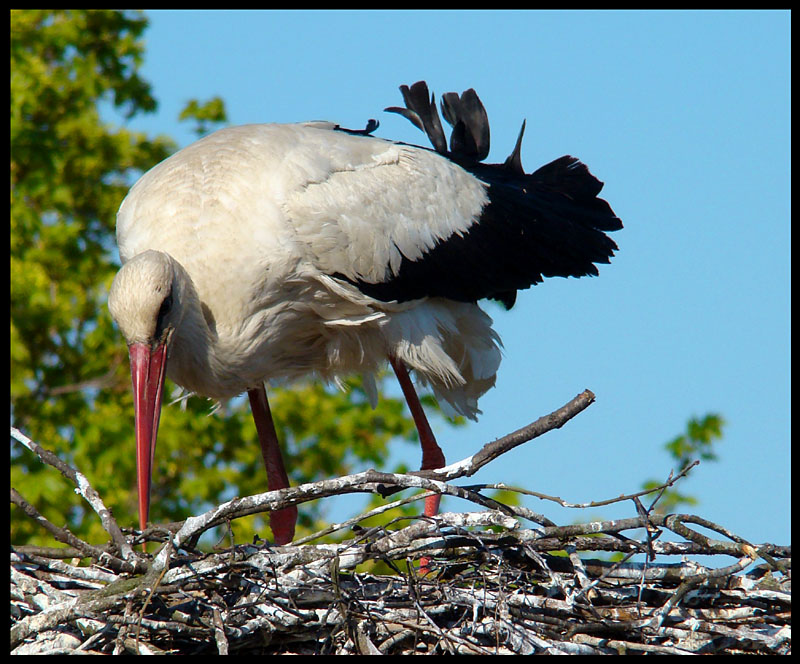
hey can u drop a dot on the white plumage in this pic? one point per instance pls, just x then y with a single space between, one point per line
271 251
259 216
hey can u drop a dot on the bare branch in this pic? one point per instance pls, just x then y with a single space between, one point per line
496 589
489 452
86 490
493 587
64 535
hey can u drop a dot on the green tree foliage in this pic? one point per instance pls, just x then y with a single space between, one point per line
697 442
70 382
206 115
68 175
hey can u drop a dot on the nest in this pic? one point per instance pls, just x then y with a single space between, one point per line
482 582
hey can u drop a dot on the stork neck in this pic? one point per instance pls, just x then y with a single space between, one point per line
191 360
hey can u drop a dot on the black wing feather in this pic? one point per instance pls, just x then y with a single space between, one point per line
421 110
469 140
544 224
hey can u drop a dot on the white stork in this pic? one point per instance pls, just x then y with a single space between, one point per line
276 251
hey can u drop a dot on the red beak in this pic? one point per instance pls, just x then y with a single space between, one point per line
148 369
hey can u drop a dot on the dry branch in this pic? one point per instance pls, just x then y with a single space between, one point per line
495 586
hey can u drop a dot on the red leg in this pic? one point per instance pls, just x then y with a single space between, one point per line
282 521
432 455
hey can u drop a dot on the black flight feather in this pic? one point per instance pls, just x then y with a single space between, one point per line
422 112
544 224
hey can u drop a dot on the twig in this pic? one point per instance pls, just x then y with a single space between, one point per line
593 503
86 490
498 587
370 481
521 598
469 466
64 535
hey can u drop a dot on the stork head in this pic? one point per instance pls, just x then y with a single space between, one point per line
145 301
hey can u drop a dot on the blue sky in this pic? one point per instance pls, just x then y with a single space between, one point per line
684 116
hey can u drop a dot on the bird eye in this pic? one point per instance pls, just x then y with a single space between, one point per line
163 311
